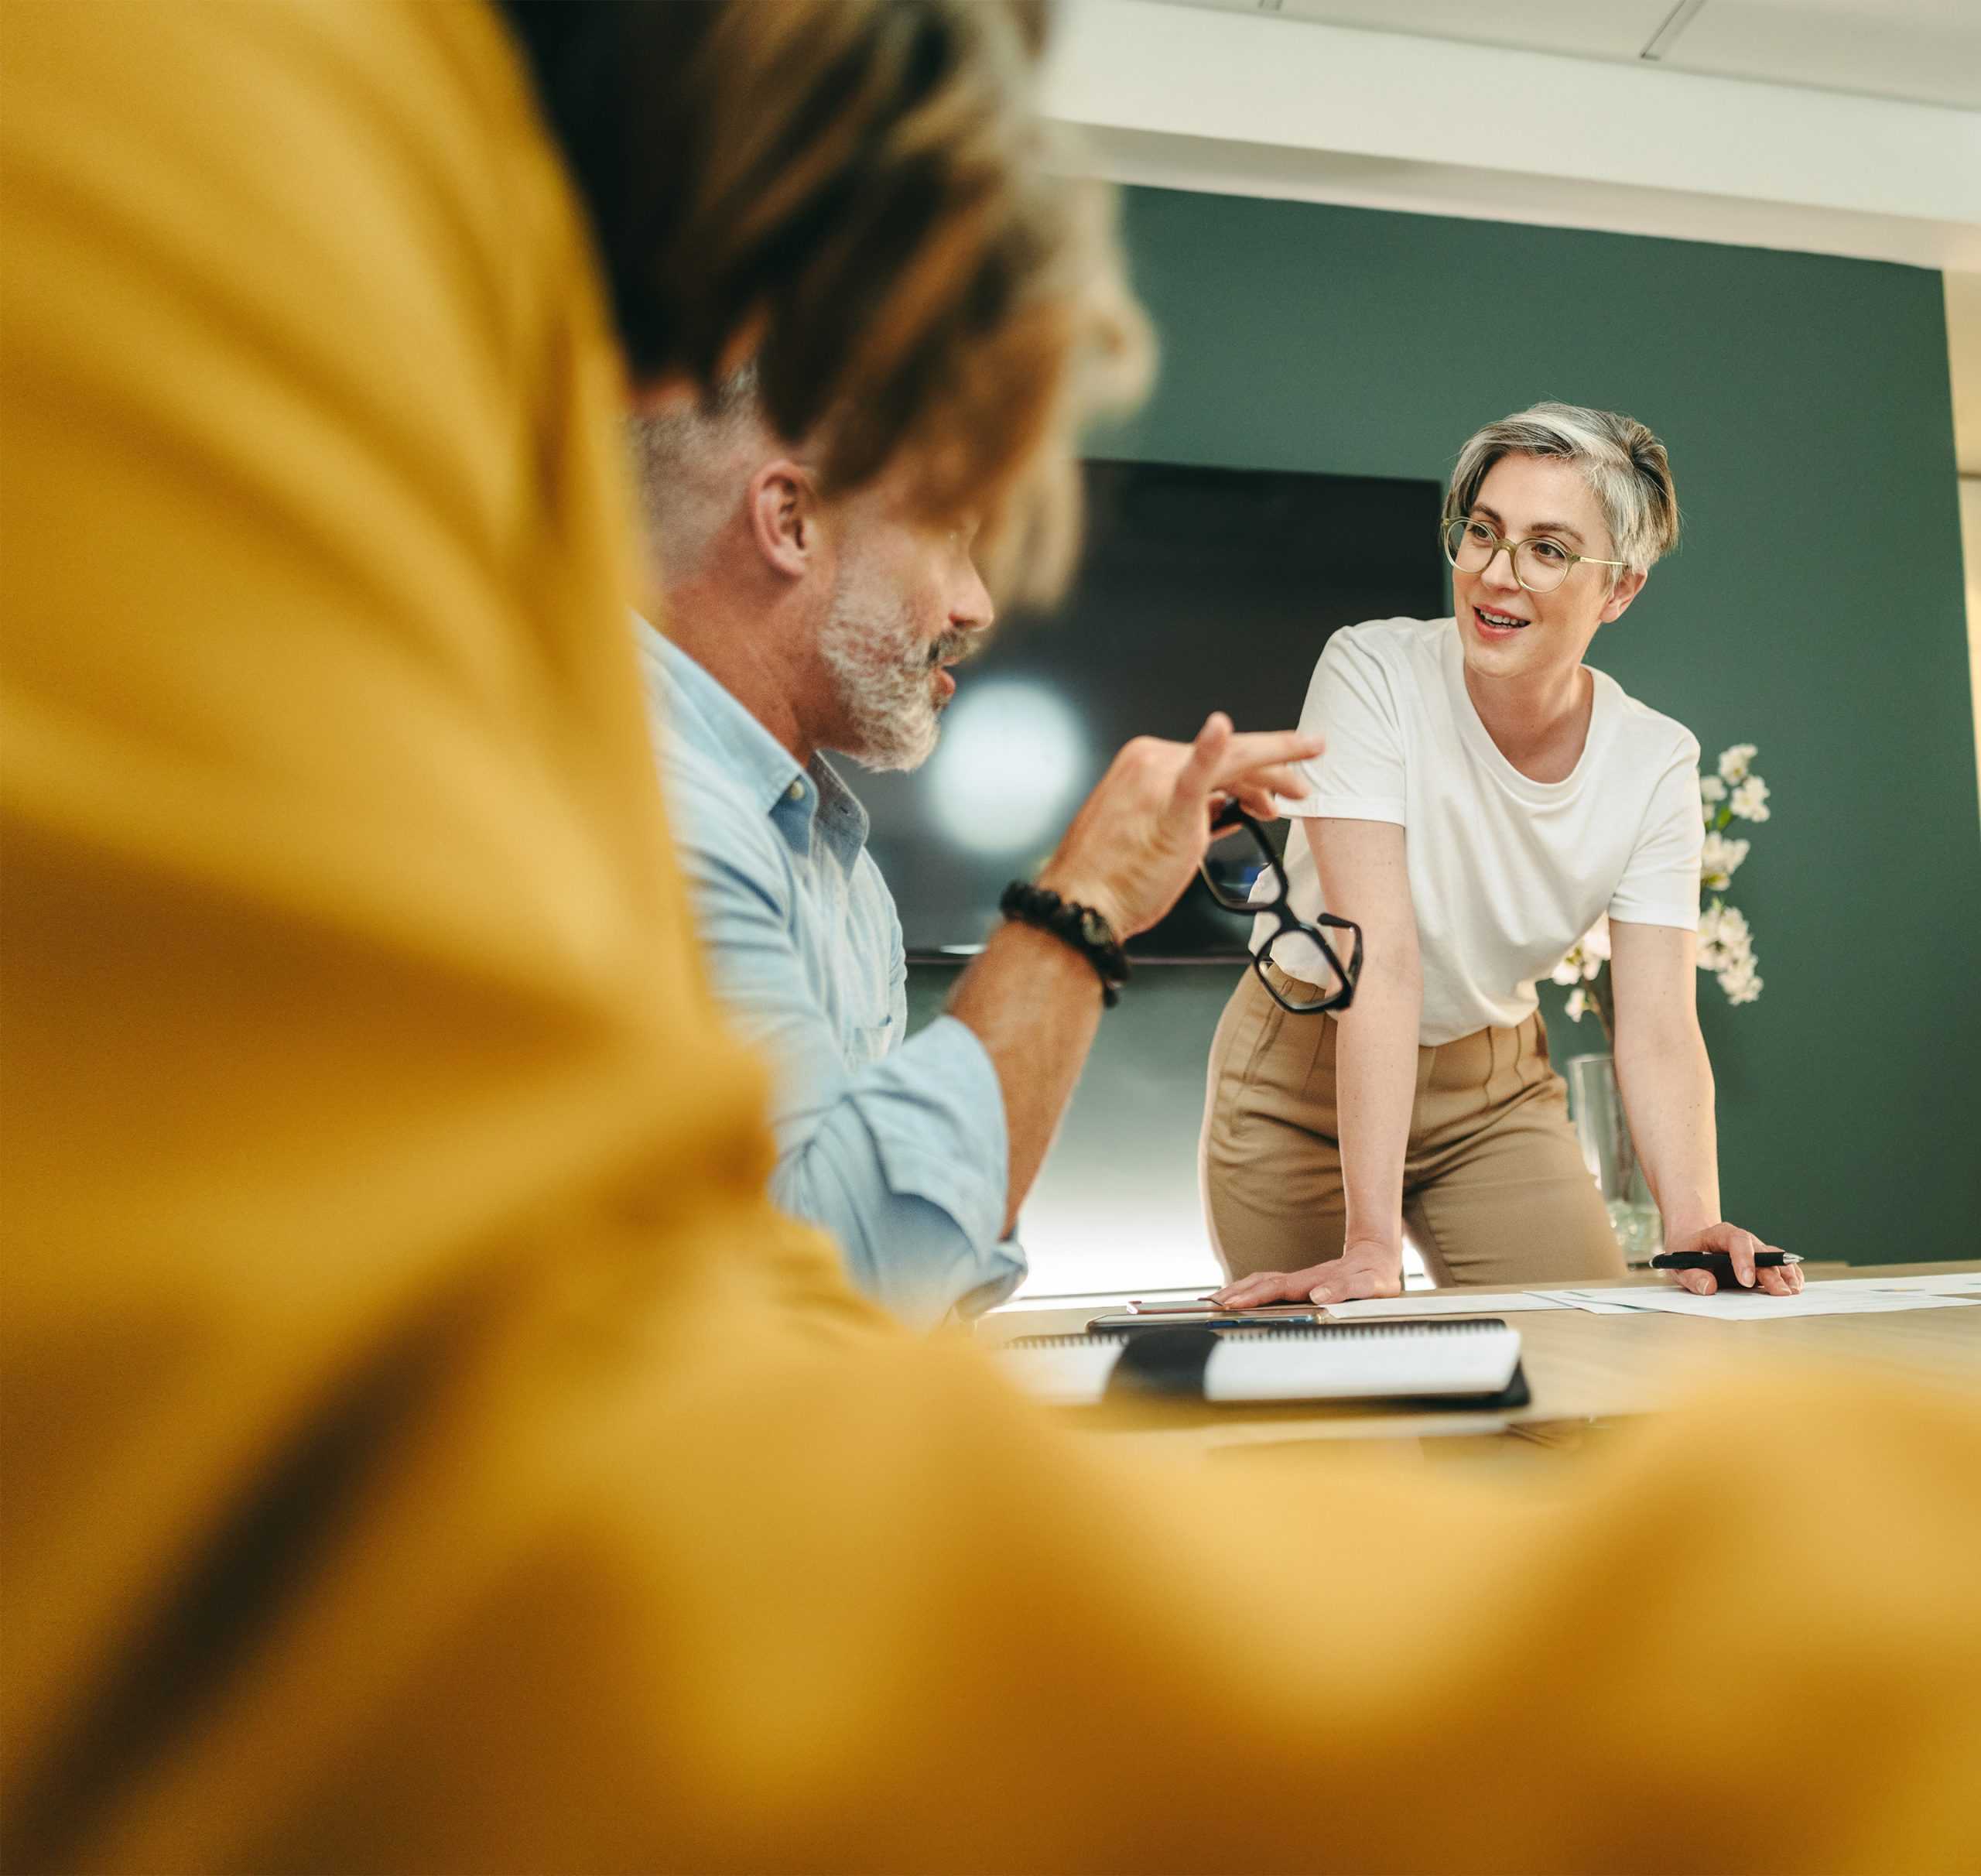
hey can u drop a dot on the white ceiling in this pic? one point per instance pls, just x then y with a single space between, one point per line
1923 51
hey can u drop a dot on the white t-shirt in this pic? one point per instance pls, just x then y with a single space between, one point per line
1506 873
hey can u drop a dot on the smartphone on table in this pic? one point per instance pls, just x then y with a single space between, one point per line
1197 1313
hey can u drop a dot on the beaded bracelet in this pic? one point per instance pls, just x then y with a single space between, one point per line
1080 926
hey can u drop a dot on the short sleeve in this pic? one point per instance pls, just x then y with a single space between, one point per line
1660 884
1352 702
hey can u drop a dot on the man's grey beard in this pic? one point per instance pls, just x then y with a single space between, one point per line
884 673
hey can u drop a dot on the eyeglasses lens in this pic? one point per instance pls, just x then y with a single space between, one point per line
1540 566
1246 876
1307 977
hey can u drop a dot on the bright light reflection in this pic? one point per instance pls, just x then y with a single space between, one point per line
1004 775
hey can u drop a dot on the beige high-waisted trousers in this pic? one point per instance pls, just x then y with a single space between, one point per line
1494 1189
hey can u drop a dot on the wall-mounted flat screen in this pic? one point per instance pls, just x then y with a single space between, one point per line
1199 589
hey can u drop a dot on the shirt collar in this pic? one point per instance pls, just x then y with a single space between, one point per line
706 716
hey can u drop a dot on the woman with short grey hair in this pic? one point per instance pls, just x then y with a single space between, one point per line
1485 797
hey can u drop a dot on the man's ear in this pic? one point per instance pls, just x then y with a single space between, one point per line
1629 583
784 518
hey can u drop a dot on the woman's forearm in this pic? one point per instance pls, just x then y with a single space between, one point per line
1666 1079
1364 875
1375 1085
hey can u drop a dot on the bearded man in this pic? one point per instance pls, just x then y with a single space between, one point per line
797 622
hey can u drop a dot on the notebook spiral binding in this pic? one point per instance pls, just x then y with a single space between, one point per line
1323 1331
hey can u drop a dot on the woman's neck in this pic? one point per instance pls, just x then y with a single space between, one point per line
1539 722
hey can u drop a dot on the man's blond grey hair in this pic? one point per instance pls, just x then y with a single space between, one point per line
690 465
1624 465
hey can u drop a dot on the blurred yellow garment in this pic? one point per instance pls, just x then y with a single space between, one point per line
425 1448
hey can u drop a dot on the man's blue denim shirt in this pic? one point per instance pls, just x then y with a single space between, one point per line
897 1147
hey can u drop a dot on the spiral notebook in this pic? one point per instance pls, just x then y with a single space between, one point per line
1450 1363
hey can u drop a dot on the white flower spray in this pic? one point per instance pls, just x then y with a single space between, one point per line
1727 944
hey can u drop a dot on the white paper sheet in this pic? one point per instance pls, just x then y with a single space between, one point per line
1443 1302
1843 1298
1835 1297
1593 1303
1947 1283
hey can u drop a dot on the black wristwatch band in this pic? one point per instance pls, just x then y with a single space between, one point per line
1080 926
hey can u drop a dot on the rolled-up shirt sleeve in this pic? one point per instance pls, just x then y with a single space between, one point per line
904 1160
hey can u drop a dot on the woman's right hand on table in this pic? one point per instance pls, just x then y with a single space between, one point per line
1366 1268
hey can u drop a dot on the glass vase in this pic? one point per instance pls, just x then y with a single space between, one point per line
1597 1107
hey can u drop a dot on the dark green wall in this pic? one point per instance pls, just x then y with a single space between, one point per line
1815 608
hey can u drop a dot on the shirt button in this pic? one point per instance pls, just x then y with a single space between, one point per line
796 792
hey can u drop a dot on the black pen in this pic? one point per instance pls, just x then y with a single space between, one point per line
1718 1264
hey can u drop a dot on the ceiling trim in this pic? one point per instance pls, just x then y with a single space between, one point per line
1213 168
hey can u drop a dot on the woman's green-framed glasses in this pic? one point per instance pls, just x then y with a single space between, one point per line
1539 564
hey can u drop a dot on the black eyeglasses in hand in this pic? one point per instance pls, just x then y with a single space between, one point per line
1338 991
